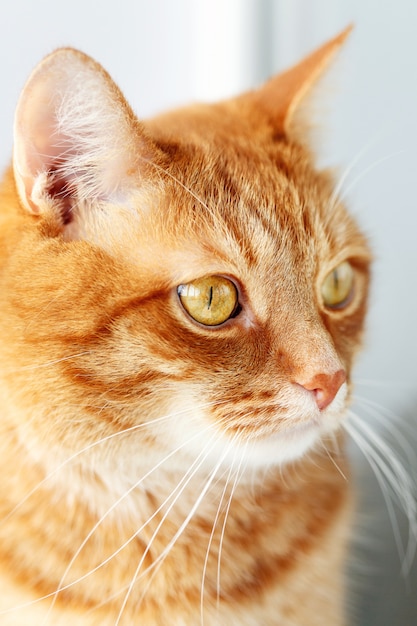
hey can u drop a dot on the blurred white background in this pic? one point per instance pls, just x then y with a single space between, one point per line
168 52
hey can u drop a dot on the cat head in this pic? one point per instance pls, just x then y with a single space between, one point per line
192 281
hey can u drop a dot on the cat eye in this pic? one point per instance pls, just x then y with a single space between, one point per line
337 287
210 300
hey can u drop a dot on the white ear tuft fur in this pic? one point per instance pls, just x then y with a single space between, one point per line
76 138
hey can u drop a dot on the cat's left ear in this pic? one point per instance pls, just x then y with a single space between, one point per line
280 98
77 143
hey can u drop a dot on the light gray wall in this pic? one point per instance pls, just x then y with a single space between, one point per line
374 119
166 52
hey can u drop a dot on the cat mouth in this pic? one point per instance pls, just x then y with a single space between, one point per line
284 445
299 429
289 442
295 431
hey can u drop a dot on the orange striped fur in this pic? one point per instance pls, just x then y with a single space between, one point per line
156 470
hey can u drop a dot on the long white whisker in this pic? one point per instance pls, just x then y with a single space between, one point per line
388 478
394 469
379 475
226 515
154 535
61 586
339 469
216 519
389 422
92 445
160 559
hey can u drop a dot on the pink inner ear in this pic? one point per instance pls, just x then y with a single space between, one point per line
38 148
38 157
70 146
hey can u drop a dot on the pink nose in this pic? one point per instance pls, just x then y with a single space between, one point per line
324 387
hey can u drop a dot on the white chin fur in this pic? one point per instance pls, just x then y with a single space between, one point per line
261 452
283 447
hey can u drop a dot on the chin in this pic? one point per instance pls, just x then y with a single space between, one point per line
283 447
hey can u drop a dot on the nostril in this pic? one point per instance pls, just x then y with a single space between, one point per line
325 387
323 398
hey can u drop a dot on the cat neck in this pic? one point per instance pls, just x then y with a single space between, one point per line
293 509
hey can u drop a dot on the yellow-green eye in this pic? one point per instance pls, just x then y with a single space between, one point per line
211 300
337 287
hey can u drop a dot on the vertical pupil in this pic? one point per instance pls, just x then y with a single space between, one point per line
336 279
210 297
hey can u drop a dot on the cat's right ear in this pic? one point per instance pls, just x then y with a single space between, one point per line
77 144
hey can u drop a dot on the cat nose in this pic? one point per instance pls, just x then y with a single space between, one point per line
324 387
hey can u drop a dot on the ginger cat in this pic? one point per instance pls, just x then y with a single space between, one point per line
181 301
